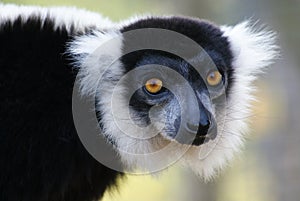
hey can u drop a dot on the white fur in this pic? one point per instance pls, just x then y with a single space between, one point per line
253 51
62 16
94 53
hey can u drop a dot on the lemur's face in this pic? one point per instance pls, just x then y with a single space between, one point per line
183 98
180 102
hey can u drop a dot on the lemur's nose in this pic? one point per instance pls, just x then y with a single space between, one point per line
202 126
205 128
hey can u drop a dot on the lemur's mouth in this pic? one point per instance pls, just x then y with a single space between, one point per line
199 140
191 139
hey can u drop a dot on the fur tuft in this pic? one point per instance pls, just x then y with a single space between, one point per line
94 54
254 48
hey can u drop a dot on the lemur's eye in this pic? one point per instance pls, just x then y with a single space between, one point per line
214 78
153 85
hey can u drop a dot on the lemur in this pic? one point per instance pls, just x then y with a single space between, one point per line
84 99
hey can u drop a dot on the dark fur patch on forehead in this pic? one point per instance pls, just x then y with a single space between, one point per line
204 33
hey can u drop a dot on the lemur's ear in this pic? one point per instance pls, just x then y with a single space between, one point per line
93 54
253 48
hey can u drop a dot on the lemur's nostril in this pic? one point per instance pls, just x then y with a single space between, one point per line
203 128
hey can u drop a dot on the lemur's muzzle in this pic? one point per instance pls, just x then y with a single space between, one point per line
198 124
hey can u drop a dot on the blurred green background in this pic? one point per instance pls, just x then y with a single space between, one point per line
269 167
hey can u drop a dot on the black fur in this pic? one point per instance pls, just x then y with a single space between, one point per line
206 34
41 156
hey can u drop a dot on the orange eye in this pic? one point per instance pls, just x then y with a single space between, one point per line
214 78
153 85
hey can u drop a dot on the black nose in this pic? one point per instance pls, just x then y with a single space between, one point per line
201 129
205 129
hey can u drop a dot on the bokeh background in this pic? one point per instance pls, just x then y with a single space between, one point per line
269 167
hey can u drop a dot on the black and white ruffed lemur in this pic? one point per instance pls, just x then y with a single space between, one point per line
44 50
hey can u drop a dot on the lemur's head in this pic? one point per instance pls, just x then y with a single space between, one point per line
173 89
